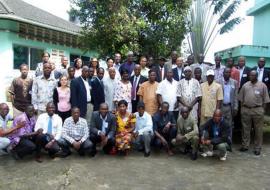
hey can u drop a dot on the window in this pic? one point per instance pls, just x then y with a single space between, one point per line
72 58
28 55
85 59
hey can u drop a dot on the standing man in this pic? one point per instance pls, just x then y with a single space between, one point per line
204 67
64 66
48 128
235 73
212 96
97 92
80 94
22 140
189 93
147 94
198 75
244 71
229 107
117 61
102 128
136 80
187 133
164 128
76 134
20 91
218 68
42 89
160 69
45 59
263 73
71 74
143 129
129 65
190 60
253 97
166 92
109 88
171 64
215 136
178 72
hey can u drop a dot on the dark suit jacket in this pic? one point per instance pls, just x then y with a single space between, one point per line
266 77
96 124
78 95
97 94
176 76
156 68
142 80
245 76
224 132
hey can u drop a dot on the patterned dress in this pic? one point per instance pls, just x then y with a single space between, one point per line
123 134
123 92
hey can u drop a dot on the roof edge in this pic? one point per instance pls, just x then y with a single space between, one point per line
257 7
6 7
15 18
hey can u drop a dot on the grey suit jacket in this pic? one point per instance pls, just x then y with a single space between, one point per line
234 92
96 124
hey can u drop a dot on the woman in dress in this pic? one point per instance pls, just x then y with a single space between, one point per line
78 67
125 125
123 90
61 98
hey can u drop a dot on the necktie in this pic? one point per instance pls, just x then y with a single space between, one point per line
134 86
161 73
49 131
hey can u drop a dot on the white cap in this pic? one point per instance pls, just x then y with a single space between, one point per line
210 72
187 68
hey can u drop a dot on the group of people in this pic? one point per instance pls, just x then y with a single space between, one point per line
176 105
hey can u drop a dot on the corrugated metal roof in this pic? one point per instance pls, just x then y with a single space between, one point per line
21 9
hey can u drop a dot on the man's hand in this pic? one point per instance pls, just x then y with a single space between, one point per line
167 127
104 141
136 134
76 145
164 142
20 124
180 138
39 131
49 144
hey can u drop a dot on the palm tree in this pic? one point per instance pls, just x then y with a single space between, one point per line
206 20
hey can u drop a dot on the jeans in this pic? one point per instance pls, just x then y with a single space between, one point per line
4 142
144 140
97 139
25 147
85 148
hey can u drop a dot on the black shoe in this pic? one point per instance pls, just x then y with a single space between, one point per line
146 154
194 156
257 152
64 154
242 149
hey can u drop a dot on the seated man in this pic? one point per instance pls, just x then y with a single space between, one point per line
5 123
143 129
164 128
49 129
22 140
76 134
102 128
215 135
187 133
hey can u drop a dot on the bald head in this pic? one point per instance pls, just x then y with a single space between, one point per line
137 70
217 116
241 61
4 109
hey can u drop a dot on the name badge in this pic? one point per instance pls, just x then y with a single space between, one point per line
232 86
257 92
244 75
266 79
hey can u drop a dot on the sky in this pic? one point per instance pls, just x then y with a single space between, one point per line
241 35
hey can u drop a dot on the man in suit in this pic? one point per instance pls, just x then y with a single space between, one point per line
263 73
80 94
201 64
171 64
244 71
136 80
178 72
160 69
97 91
230 102
102 128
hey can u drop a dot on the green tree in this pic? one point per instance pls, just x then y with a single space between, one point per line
207 19
144 26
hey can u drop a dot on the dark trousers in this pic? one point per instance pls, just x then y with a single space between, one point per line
134 105
64 115
85 148
26 146
171 134
97 139
42 140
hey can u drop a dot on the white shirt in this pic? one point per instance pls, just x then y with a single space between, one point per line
168 92
104 125
87 88
162 73
179 70
42 123
260 74
137 83
144 123
241 72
